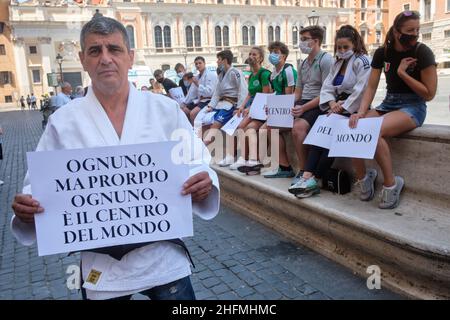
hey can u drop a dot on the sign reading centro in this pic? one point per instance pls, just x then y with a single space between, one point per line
109 196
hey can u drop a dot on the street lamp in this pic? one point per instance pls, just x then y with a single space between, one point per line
59 60
313 18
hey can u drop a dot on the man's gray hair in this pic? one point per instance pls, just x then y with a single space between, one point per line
65 84
104 26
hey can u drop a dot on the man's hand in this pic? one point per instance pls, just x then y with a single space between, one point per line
208 109
239 111
199 186
297 111
25 207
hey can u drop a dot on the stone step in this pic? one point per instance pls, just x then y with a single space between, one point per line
410 244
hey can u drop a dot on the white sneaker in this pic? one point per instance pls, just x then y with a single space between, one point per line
228 160
240 162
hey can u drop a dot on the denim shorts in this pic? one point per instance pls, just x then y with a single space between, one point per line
222 116
409 103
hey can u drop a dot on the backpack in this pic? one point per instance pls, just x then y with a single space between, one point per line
337 181
286 65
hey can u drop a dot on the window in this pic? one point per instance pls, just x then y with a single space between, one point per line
197 38
447 33
36 76
379 4
363 35
226 37
245 36
167 39
130 33
158 39
294 36
33 50
247 2
273 2
189 39
378 36
5 77
448 5
8 99
363 4
270 34
218 33
324 41
252 35
2 50
406 7
363 16
426 36
220 1
277 33
342 3
427 11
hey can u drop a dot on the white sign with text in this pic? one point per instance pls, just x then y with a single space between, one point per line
279 109
258 107
177 94
360 142
107 196
321 134
230 127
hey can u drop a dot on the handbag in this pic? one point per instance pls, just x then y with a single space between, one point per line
337 181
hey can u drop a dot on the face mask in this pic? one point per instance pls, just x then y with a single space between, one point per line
160 80
221 68
274 58
180 74
408 40
304 47
345 55
186 83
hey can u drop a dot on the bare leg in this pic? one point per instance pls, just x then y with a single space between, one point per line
193 114
394 124
299 133
253 126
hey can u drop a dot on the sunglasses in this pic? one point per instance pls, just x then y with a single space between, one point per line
409 13
345 47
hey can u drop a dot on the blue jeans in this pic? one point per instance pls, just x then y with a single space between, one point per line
409 103
177 290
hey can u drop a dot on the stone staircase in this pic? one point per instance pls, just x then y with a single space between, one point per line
410 244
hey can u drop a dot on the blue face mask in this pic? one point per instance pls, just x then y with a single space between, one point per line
274 58
186 83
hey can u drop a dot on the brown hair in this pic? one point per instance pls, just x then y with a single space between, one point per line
399 20
351 33
279 45
316 32
260 52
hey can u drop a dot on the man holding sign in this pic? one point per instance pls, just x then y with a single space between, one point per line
114 113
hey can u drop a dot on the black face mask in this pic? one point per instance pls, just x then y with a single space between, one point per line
407 40
160 80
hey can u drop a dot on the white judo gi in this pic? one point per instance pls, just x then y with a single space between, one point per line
83 123
354 83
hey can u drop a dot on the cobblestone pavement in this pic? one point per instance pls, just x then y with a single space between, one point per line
235 257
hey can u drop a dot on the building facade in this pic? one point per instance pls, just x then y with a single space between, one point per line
9 92
162 32
434 26
165 32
